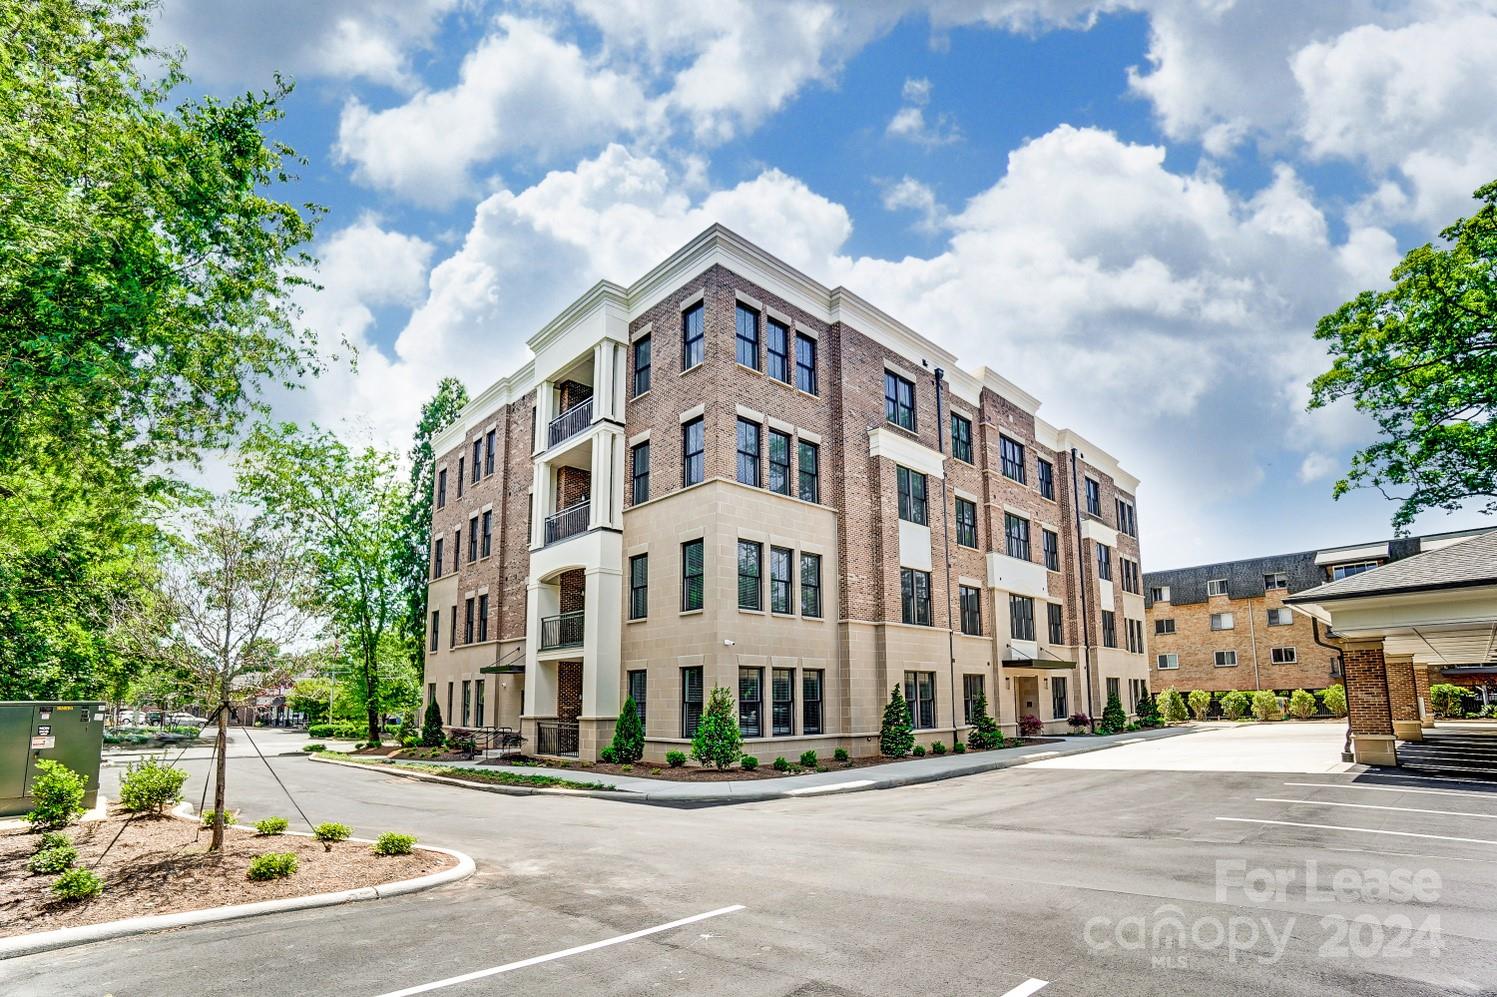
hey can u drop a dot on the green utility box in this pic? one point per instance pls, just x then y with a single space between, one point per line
68 732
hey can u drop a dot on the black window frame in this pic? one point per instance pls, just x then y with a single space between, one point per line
639 480
1104 561
748 461
781 585
1055 623
897 411
460 465
966 523
782 708
1016 536
436 630
969 598
438 555
693 462
1093 497
1045 478
751 709
810 588
477 461
914 597
1011 458
961 437
912 505
472 538
442 488
805 363
1050 549
1109 628
468 619
639 586
638 691
973 687
808 725
688 576
693 336
641 351
691 699
483 617
742 341
813 494
777 363
1059 700
754 577
922 707
488 452
1164 625
486 533
779 471
1020 616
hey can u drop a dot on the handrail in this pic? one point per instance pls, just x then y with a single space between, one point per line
571 422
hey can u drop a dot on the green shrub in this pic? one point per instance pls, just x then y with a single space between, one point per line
1448 699
718 740
56 796
1148 711
958 748
394 843
608 756
840 755
781 765
1334 700
150 785
938 748
53 859
314 748
431 726
749 763
918 751
1172 707
984 733
1113 717
271 865
1235 705
1132 727
229 819
808 759
331 832
53 839
896 736
77 884
629 734
1266 705
675 759
1200 703
272 825
1302 705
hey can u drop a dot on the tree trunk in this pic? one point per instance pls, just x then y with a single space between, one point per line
371 700
222 770
374 722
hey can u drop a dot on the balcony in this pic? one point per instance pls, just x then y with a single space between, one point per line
556 737
571 422
562 631
567 523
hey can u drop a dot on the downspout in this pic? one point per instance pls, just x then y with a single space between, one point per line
1253 642
946 537
1346 752
1081 554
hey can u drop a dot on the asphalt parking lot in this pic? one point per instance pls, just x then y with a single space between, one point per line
1051 879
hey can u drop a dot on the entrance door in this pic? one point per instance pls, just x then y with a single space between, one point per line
1026 696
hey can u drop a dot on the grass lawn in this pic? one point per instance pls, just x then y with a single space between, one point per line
497 777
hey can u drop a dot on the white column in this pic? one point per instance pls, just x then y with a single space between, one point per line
603 380
544 413
540 496
602 635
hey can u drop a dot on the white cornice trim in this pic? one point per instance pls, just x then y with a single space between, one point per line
885 442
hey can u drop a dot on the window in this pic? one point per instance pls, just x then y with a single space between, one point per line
914 596
691 701
1276 580
748 452
1164 626
449 702
751 701
467 701
1280 617
468 621
1057 629
431 693
436 628
1131 582
899 401
966 523
777 351
639 586
748 336
1112 688
1159 593
782 702
1221 621
1021 617
779 462
1127 519
911 486
691 575
452 635
810 687
779 579
477 455
971 604
442 488
1134 631
750 568
1109 628
460 477
961 437
693 337
1216 586
1050 546
1058 698
920 693
638 687
483 617
810 472
693 445
457 548
639 469
478 689
1226 659
1016 536
488 453
436 558
1046 478
810 585
641 365
1283 656
1093 498
1167 662
805 364
1011 458
1104 562
486 544
1137 690
473 539
1347 570
972 691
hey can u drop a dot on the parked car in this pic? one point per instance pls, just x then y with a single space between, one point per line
186 720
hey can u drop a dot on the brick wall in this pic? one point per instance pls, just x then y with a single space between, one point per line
568 690
1366 694
1401 687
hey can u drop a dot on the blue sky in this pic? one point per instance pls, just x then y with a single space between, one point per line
1134 209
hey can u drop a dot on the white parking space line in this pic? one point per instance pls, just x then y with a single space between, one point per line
1361 830
1396 789
1028 987
1373 806
551 957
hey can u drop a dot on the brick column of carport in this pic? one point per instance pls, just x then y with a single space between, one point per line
1367 702
1421 694
1403 696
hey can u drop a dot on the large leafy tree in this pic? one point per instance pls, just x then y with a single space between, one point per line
415 550
346 508
1421 359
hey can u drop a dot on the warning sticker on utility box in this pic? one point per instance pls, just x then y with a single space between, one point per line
38 743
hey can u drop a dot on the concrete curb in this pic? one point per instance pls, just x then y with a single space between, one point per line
667 798
46 941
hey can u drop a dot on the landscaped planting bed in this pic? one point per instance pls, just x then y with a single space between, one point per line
496 777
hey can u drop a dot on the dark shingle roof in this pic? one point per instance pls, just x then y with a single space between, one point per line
1473 561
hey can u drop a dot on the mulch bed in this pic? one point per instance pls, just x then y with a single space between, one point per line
414 754
161 865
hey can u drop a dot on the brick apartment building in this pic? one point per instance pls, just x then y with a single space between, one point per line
727 474
1225 626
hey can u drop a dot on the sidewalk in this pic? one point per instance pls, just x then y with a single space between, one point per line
660 792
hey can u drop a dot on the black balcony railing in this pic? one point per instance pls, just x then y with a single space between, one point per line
567 523
555 737
571 422
562 631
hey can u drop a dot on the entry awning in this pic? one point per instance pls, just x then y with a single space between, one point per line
1046 663
503 669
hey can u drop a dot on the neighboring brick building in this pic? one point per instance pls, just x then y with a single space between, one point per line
1225 626
727 474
